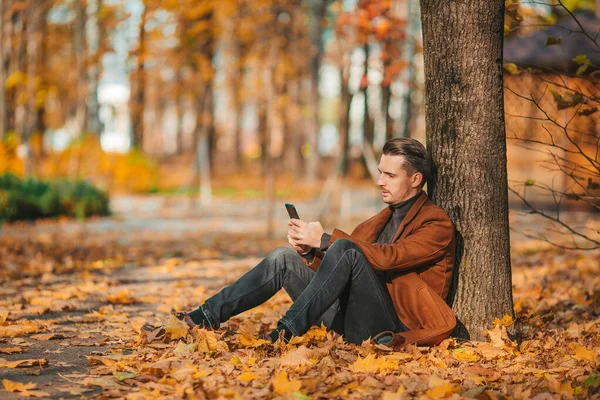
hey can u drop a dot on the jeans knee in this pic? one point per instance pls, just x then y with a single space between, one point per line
280 253
343 245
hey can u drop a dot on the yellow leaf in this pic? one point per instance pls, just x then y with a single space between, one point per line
283 385
11 386
3 317
506 320
18 330
4 363
183 348
443 391
512 68
207 341
463 354
582 353
372 363
247 340
248 376
123 375
582 59
316 333
123 297
176 328
10 350
137 323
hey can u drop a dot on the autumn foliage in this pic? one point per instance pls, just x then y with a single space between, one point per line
113 324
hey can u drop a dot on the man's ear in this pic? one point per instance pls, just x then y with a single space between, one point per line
417 179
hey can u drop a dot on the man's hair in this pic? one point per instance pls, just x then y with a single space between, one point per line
416 158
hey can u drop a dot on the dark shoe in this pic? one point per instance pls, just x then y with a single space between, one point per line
281 330
265 336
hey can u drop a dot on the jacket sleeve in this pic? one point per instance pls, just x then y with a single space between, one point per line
316 260
423 247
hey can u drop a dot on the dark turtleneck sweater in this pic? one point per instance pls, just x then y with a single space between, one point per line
388 232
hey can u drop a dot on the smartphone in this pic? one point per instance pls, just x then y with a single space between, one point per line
292 211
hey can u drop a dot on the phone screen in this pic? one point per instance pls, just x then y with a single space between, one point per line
292 211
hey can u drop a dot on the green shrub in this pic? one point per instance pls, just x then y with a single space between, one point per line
30 199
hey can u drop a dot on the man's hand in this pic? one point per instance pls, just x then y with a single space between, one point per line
302 249
305 233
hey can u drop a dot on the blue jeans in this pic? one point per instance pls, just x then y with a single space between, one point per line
345 293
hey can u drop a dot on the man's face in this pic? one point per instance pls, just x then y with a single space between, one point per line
396 183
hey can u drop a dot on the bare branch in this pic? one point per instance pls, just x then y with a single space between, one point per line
549 217
578 23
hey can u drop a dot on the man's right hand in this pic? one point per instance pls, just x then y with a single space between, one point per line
300 248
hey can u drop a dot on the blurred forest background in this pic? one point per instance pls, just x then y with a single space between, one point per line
205 96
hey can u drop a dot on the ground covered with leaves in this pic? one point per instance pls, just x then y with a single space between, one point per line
89 315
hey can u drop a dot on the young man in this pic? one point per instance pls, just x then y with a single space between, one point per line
388 280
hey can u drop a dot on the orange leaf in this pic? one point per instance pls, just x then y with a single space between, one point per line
11 386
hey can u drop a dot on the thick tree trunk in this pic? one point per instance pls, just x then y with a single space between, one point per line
466 138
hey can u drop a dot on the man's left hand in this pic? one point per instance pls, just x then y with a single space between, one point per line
306 233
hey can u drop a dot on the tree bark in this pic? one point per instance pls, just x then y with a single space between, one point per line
4 56
316 31
80 55
466 138
33 41
136 104
96 33
413 30
368 132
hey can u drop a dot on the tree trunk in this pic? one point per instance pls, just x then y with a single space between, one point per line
386 93
33 39
80 50
293 129
413 31
11 66
4 22
237 88
466 137
40 123
316 31
96 33
368 133
136 104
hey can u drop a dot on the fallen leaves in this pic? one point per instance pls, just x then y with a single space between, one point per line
284 385
23 363
18 329
134 348
373 364
24 389
175 328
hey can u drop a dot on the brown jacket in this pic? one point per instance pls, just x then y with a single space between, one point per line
417 266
